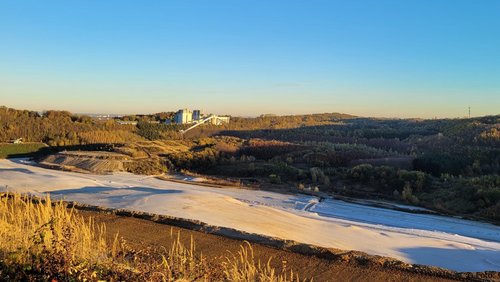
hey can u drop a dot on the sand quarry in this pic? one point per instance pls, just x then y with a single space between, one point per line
94 162
447 242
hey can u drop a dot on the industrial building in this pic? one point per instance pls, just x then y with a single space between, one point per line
218 120
184 116
195 117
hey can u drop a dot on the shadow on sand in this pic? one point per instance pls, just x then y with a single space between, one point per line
455 259
110 190
22 170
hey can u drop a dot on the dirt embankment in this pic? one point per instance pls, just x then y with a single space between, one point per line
146 231
323 264
308 261
101 162
90 162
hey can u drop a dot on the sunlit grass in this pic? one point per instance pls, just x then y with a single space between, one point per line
43 240
46 238
244 267
9 150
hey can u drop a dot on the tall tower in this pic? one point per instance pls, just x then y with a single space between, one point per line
469 111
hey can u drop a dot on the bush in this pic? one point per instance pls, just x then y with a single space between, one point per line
407 194
275 179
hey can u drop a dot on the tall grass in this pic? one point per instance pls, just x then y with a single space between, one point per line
45 240
39 237
244 267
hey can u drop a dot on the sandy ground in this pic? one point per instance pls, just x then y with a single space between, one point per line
216 247
424 239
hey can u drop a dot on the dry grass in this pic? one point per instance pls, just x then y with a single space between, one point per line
43 240
243 267
46 239
160 147
107 136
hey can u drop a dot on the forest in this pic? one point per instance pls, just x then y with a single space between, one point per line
447 165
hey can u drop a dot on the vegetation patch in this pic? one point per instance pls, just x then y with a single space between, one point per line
45 241
9 150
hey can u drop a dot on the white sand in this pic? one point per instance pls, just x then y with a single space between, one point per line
425 239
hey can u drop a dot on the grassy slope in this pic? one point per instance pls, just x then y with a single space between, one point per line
8 150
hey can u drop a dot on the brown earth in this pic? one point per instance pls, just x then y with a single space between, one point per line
140 233
100 162
90 162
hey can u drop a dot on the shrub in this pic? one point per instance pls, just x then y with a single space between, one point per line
275 179
407 194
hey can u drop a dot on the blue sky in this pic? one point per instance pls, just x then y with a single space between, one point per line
410 58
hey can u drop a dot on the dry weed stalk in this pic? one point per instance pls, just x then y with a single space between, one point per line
42 240
41 235
243 267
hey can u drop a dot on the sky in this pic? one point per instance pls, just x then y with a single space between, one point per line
414 58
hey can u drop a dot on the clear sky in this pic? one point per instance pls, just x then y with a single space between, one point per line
411 58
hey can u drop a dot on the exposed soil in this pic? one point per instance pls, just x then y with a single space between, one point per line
140 233
101 162
89 162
